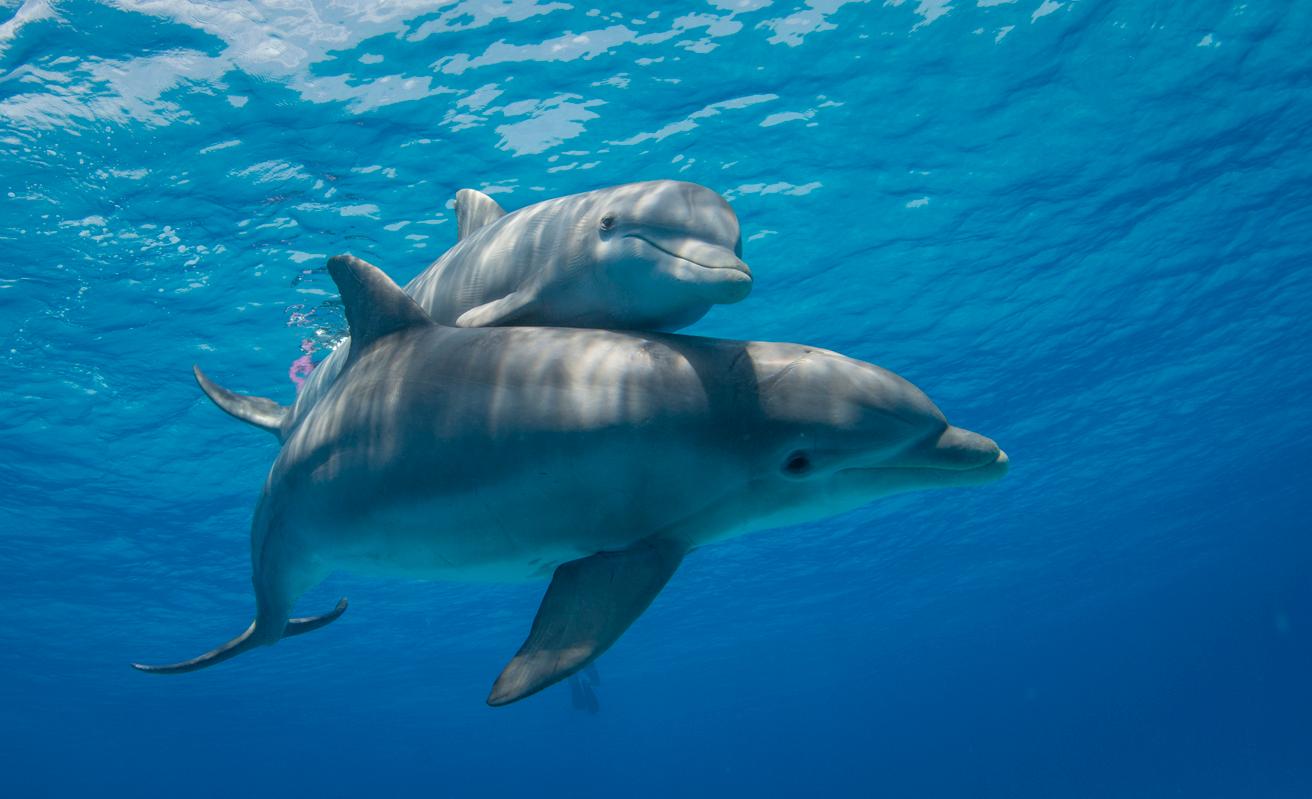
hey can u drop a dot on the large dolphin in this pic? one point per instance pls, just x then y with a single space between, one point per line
654 255
596 458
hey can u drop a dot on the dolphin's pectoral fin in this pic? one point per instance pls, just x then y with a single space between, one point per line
508 310
474 210
589 604
263 413
583 689
582 696
246 641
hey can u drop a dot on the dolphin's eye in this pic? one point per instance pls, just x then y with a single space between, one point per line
607 222
798 464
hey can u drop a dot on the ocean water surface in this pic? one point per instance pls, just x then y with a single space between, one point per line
1083 227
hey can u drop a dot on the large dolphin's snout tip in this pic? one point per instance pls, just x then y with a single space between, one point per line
968 458
958 448
995 470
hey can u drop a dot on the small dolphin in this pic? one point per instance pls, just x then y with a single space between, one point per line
597 458
642 256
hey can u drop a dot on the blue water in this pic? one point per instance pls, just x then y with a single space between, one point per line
1083 227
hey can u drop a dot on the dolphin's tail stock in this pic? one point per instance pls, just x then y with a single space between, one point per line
263 413
245 641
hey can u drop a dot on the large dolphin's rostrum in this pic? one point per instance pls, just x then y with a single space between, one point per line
597 458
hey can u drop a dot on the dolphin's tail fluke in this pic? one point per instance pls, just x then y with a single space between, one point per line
244 642
219 654
308 624
263 413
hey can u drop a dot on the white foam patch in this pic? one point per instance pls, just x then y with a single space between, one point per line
792 30
111 90
690 122
364 209
274 171
786 116
568 47
28 13
551 122
1048 7
223 145
781 187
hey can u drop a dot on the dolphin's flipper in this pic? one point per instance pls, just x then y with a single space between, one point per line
589 604
474 209
244 642
263 413
583 689
582 696
508 310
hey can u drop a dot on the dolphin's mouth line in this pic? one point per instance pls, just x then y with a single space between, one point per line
736 267
1000 459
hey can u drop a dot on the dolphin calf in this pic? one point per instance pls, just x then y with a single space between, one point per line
654 255
598 459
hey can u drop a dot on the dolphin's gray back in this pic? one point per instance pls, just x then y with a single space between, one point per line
484 383
540 245
500 258
446 415
490 263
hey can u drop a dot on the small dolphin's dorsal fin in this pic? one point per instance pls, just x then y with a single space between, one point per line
375 306
263 413
508 310
474 209
589 604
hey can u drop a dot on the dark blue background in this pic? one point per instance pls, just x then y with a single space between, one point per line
1082 227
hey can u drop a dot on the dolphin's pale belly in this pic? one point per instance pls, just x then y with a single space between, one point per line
402 546
517 525
477 539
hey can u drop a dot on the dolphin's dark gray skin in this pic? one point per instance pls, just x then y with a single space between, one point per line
654 255
599 459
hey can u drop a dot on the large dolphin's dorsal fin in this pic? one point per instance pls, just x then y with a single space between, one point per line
474 209
263 413
375 306
589 604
